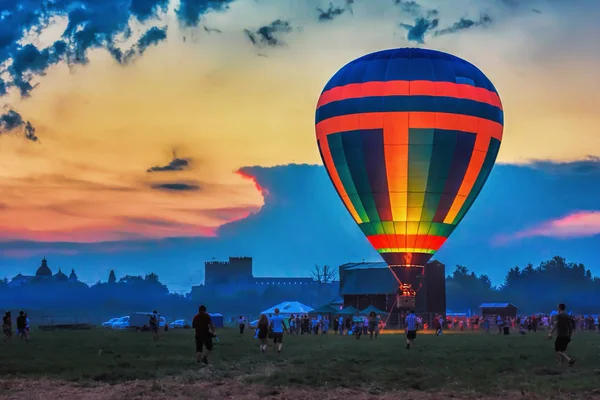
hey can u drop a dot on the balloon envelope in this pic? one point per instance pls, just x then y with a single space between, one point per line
408 138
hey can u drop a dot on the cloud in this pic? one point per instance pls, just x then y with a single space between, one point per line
13 121
146 9
267 35
575 225
90 24
465 23
409 6
212 30
416 33
151 37
176 164
29 61
332 12
190 11
589 165
176 186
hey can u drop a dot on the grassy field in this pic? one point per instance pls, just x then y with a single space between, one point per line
457 364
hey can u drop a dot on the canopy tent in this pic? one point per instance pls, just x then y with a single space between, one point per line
288 308
324 309
374 309
217 319
350 310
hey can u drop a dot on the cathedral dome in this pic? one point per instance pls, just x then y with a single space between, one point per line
60 276
44 271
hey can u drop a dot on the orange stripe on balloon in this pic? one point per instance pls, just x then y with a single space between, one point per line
482 143
410 88
337 182
430 242
395 145
422 120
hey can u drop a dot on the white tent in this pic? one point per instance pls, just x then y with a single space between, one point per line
287 308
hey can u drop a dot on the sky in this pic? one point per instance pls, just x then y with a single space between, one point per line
152 135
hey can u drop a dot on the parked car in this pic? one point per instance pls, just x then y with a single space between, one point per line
121 323
180 324
108 324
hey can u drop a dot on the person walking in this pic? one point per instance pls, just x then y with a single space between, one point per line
277 328
204 333
242 324
411 328
262 332
564 330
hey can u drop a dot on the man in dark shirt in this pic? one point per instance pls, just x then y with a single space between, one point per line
564 329
205 331
22 325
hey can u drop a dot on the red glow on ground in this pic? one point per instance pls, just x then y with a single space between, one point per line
263 191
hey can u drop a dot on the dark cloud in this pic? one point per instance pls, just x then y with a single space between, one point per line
13 121
266 35
333 12
29 61
409 6
151 37
211 30
416 33
176 164
91 24
145 9
190 12
465 23
587 166
176 186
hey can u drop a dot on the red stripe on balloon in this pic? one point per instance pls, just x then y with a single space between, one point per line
410 88
421 120
429 242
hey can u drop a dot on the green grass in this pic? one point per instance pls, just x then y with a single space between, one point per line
453 362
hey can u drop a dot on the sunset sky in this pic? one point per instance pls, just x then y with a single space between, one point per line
132 121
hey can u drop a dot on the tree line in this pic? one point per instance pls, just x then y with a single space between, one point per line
532 289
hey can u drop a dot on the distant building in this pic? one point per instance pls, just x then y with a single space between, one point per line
43 274
365 284
236 274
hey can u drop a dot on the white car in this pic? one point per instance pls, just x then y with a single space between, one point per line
121 323
180 324
108 324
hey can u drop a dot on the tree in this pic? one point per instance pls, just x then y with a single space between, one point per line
324 274
112 278
152 278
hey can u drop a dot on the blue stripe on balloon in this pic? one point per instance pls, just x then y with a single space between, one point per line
449 105
409 64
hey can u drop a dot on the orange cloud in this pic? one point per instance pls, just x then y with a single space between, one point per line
575 225
52 208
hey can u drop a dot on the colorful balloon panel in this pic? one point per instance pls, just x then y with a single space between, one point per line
408 138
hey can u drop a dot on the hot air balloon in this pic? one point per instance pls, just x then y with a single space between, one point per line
408 137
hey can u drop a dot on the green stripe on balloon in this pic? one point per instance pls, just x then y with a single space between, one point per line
486 169
341 165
